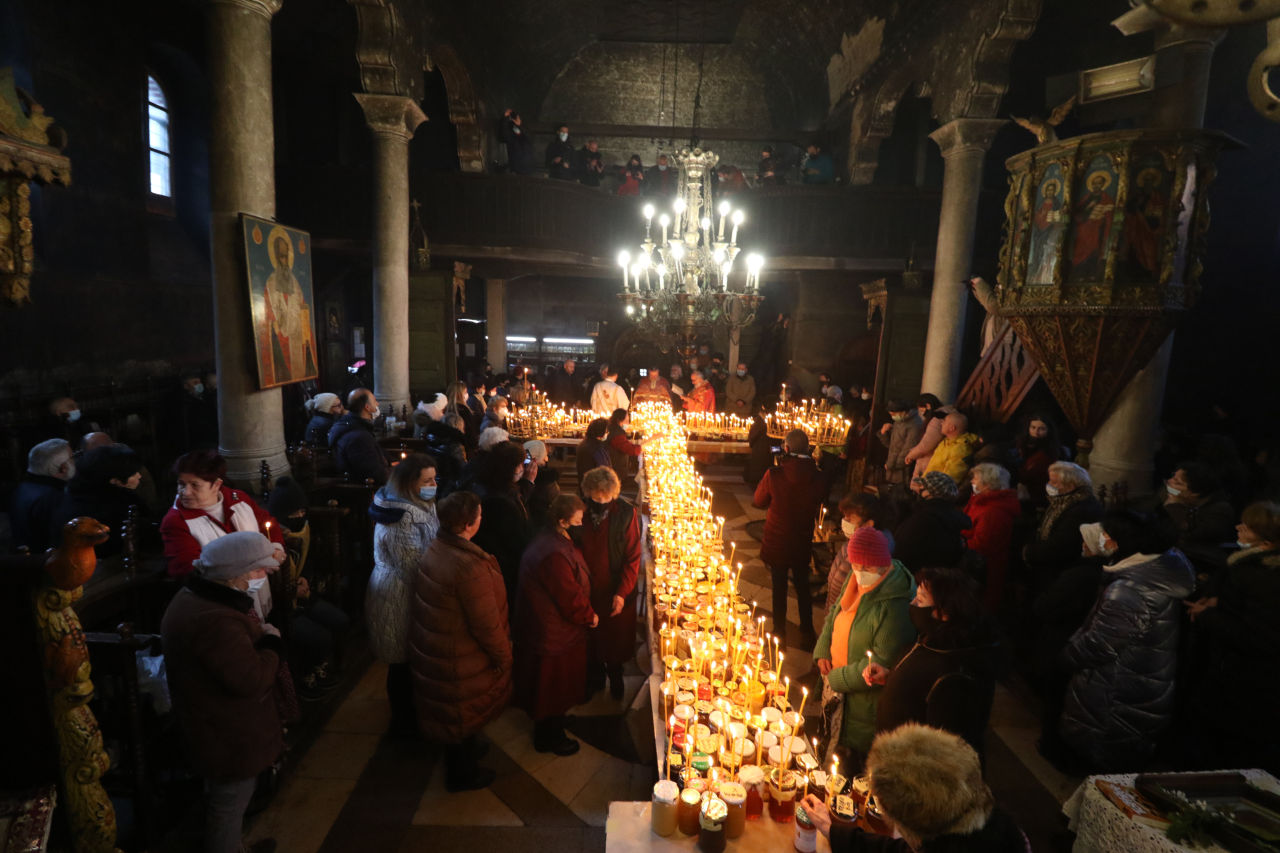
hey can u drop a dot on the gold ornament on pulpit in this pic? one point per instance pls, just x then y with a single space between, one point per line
1102 249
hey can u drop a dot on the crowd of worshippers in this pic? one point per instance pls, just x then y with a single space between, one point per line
1145 627
564 161
964 554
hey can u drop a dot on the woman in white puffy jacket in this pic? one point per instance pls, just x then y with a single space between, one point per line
405 513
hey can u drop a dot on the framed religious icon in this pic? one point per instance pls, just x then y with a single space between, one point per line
278 262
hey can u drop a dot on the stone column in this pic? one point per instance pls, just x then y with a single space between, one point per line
241 179
1123 447
964 143
495 306
393 119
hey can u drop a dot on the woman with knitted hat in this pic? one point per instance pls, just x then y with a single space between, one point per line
871 625
928 784
933 535
325 409
223 665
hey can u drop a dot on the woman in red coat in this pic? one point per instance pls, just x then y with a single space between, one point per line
459 642
553 615
207 509
610 542
993 509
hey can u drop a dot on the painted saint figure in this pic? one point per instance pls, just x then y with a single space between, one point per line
1144 218
1093 215
1046 234
288 317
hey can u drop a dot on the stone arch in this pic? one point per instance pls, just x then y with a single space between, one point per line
464 107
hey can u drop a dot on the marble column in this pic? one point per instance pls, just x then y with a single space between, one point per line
393 120
964 143
241 180
495 306
1124 445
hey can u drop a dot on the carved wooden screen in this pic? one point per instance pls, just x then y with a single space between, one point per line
1002 378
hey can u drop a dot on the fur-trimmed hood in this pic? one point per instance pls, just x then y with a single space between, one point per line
1265 557
929 782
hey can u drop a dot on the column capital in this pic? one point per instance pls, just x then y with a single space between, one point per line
392 115
265 8
967 135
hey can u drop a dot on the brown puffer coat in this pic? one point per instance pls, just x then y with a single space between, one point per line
222 669
459 640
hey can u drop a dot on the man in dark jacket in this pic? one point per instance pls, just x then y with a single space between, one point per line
590 164
561 387
519 145
791 494
662 180
561 156
355 449
932 537
31 507
222 664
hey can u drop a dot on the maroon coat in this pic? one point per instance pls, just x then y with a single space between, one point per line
222 671
993 514
459 640
553 615
611 547
791 493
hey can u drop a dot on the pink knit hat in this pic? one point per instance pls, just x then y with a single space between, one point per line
868 547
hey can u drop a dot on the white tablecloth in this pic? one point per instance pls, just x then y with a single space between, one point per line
1101 827
628 830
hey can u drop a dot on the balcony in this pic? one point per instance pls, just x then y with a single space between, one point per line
510 225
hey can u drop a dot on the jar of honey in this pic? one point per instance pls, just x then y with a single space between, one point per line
687 811
663 818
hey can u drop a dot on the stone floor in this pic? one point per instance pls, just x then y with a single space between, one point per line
356 790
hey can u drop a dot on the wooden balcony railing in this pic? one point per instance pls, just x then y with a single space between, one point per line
798 226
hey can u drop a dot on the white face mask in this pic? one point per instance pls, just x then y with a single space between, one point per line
741 373
1244 545
261 596
377 410
197 389
975 488
1095 539
865 396
563 137
73 415
1051 490
848 527
1172 491
867 579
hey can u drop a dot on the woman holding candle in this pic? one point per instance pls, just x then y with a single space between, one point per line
594 449
928 785
610 541
620 446
948 678
871 625
552 617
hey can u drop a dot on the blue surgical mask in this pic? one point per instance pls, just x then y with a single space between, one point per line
197 389
73 415
741 372
1172 491
661 168
427 493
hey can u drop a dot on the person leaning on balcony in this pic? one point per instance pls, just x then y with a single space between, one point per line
519 145
561 156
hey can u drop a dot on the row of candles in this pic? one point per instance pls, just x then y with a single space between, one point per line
823 426
542 419
734 739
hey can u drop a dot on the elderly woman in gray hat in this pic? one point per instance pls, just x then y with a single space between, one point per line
222 665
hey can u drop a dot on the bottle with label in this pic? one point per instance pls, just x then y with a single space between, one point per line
752 778
711 824
663 818
734 795
806 836
687 811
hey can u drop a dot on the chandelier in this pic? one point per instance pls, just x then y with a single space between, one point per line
682 280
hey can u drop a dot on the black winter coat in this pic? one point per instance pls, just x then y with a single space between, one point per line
31 509
1124 659
448 447
1061 546
356 450
947 681
1000 834
108 504
504 532
317 431
931 536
